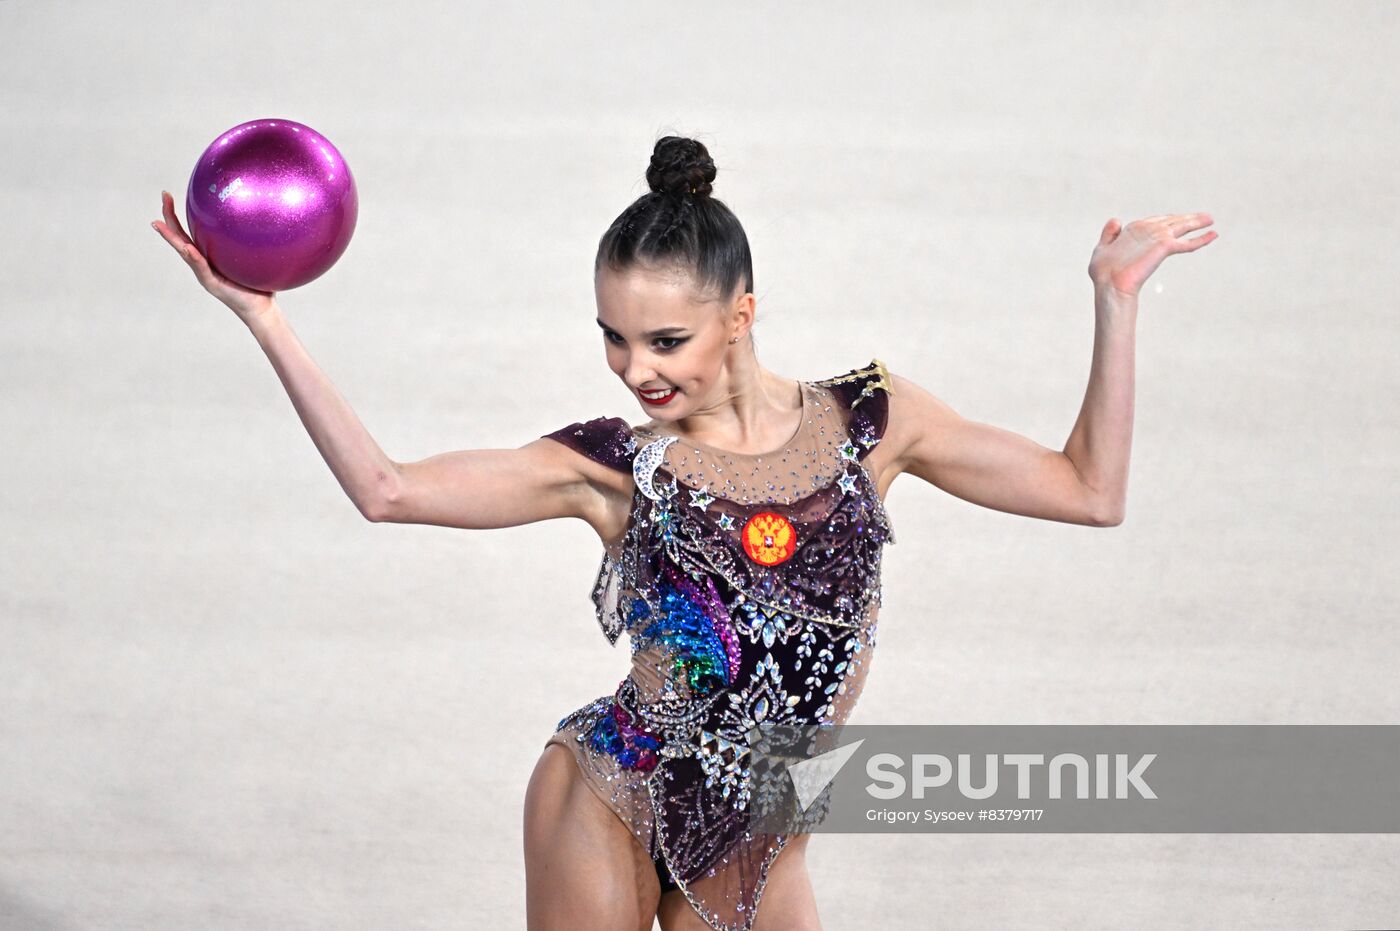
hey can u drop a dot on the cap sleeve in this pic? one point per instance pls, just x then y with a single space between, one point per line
864 392
608 440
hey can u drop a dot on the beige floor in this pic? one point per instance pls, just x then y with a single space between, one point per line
229 702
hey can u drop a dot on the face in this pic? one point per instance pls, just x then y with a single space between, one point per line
659 337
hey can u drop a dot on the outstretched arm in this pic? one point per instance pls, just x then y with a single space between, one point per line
1087 482
473 489
480 488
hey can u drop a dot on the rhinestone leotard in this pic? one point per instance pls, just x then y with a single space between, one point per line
749 587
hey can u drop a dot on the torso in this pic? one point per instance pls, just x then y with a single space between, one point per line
748 587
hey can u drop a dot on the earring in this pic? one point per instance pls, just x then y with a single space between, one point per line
734 340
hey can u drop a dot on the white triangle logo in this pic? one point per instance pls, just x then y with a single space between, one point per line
810 777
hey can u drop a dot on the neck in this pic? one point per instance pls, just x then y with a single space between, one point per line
750 406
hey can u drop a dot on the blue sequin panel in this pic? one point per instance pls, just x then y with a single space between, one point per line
633 747
687 632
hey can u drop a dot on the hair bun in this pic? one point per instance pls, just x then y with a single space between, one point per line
681 166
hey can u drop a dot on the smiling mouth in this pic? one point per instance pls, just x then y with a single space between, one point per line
657 397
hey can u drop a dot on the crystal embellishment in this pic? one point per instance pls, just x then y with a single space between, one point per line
751 599
646 463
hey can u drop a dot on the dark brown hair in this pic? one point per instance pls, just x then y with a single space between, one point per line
680 225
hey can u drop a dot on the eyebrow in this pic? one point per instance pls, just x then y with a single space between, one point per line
664 331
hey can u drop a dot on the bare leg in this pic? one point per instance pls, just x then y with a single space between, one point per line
584 871
788 903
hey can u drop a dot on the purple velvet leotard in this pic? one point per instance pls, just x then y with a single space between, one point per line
749 587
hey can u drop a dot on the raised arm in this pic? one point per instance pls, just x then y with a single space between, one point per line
1087 481
990 466
478 489
470 489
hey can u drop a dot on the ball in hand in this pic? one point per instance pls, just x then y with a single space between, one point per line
271 204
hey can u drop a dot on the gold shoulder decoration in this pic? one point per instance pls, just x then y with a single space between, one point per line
875 375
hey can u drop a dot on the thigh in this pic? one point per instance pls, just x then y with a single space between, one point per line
583 868
788 902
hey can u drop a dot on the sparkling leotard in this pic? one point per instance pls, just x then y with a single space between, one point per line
749 587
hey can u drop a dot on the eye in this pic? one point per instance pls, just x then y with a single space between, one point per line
664 343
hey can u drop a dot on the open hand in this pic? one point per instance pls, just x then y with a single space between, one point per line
245 302
1127 255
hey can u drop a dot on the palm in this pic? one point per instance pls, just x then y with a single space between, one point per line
1126 256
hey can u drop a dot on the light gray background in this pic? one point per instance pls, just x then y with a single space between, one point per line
227 701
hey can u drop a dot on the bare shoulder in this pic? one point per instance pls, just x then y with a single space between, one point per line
914 412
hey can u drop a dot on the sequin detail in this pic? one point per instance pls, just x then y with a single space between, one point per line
647 462
749 587
633 747
694 627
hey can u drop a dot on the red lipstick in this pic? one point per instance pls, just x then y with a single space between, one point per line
658 402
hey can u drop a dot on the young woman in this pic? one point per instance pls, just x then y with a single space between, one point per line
742 528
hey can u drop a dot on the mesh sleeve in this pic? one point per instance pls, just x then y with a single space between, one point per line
608 440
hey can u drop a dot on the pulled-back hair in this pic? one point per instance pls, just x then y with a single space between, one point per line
679 225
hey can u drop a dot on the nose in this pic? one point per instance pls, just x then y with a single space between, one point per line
638 373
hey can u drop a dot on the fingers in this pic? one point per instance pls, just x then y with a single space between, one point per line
1191 245
180 244
1180 223
171 220
1176 218
1169 227
1111 229
1185 222
172 232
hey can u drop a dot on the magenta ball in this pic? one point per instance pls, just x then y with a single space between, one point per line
271 204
